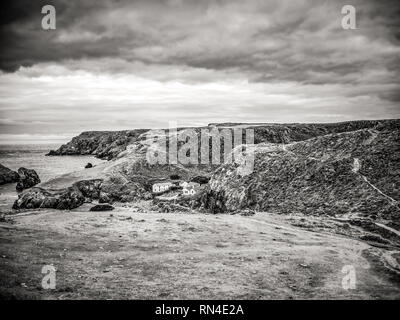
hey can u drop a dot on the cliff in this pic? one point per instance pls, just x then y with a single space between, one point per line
102 144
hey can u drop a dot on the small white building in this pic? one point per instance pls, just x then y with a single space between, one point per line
183 184
191 188
162 186
189 191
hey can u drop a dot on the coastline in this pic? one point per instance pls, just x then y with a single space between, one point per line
33 156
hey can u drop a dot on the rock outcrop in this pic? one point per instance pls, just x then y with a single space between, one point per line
88 166
7 175
62 199
27 179
37 197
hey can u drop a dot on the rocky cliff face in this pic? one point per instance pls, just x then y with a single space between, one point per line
344 173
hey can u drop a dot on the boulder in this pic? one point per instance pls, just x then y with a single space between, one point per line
36 197
89 165
7 175
27 179
102 207
33 198
62 199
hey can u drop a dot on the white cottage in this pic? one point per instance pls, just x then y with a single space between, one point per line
162 186
183 184
191 188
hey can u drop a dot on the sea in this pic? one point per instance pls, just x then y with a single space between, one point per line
32 156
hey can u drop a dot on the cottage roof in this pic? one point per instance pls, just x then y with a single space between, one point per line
193 184
190 187
162 184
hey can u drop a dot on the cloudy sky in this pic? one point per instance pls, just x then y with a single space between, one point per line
113 65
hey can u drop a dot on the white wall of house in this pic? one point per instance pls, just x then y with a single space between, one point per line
190 191
161 187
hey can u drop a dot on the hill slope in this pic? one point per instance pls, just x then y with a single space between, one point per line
346 173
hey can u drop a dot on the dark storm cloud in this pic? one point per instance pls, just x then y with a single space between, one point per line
264 39
25 43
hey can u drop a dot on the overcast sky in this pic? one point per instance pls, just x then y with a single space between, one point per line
114 65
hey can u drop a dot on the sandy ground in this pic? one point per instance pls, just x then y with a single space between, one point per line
127 255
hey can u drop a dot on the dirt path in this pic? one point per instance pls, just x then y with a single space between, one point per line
185 256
